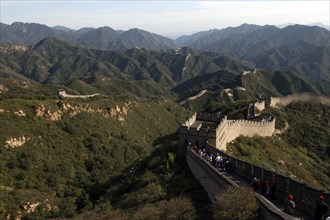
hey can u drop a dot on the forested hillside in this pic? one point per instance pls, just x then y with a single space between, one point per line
299 48
301 151
61 156
144 73
113 155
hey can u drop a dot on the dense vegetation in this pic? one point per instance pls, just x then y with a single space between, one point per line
92 165
237 204
302 146
299 48
66 165
113 156
144 73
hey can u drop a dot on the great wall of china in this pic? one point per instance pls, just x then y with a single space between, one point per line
63 95
219 130
214 131
303 97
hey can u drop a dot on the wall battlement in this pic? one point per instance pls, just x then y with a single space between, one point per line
202 116
225 132
190 121
198 132
249 122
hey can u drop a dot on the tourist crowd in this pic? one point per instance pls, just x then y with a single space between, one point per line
224 164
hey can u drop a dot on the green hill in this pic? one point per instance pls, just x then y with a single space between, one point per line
144 73
300 151
73 150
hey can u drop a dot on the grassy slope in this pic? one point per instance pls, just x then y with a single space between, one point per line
303 147
72 161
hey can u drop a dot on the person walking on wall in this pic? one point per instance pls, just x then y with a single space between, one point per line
264 186
321 209
273 188
255 183
289 205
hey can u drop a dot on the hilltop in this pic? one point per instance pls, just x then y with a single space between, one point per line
299 48
143 73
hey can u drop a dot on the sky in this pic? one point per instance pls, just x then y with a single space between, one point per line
168 18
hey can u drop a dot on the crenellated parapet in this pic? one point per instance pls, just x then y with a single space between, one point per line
251 122
203 116
190 121
218 130
248 128
198 132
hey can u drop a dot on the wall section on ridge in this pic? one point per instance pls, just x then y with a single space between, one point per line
235 128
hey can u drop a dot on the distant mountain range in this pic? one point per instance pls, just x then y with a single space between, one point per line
104 38
299 48
144 73
319 24
302 49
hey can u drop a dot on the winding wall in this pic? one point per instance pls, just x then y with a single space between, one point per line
215 183
303 97
305 196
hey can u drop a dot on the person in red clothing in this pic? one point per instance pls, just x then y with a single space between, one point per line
264 186
321 209
289 205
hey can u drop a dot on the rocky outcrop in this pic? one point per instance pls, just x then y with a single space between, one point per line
12 48
20 113
47 114
16 142
3 88
6 188
116 112
30 207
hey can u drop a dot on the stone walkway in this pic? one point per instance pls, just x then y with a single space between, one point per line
240 181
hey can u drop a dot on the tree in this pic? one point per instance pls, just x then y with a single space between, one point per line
178 209
236 204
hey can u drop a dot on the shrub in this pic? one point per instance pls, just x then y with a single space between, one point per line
178 208
236 203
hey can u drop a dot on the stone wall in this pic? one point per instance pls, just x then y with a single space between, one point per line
211 180
202 116
303 97
195 137
226 131
215 183
235 128
63 94
190 121
305 196
259 107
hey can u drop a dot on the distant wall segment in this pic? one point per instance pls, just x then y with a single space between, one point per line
303 97
63 94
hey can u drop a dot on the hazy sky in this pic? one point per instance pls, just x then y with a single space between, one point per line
164 17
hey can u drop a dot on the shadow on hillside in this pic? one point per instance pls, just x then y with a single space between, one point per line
175 178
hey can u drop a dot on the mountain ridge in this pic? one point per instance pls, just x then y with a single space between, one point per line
142 72
299 48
